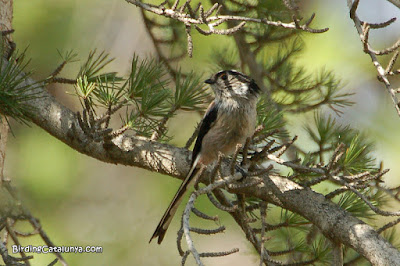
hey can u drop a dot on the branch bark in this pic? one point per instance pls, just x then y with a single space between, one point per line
395 2
5 24
334 222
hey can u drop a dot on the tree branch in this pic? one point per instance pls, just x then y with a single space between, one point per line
190 18
187 18
395 2
363 31
334 222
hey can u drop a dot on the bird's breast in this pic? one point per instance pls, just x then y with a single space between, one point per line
232 127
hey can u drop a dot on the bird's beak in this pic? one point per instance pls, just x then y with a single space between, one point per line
209 81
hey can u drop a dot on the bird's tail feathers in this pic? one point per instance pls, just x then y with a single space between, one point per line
173 206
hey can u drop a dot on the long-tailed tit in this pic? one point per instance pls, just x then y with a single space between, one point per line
230 120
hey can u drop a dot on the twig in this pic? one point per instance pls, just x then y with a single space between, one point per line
219 254
26 215
189 40
337 253
186 228
58 70
179 240
363 30
35 223
207 231
160 130
281 252
250 183
16 241
53 262
190 18
232 165
337 154
261 172
7 32
387 50
104 117
336 192
263 214
314 181
8 260
392 62
63 80
241 218
184 257
388 225
219 205
217 168
260 155
120 131
381 25
203 215
245 152
364 198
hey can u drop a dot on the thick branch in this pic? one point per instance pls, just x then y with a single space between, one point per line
395 2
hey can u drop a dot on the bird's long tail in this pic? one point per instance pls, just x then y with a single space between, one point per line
173 206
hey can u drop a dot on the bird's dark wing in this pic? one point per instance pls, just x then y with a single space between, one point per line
207 122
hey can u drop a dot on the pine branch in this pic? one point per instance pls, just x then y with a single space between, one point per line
172 161
363 29
189 18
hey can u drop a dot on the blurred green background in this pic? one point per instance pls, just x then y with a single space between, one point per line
81 201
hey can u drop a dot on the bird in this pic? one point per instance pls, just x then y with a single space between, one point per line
229 120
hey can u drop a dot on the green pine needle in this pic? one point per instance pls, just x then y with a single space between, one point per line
294 220
84 88
69 56
94 64
146 90
270 118
321 250
356 206
108 92
357 157
14 91
190 92
326 130
391 235
327 134
295 89
147 75
285 52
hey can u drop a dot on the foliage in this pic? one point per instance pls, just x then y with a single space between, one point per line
14 91
338 161
155 90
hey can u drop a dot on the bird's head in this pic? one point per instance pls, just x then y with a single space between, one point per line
232 84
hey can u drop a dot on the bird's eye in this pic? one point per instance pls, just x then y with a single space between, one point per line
224 76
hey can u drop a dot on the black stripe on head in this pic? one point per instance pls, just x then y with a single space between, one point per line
224 76
246 79
254 87
220 74
240 76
